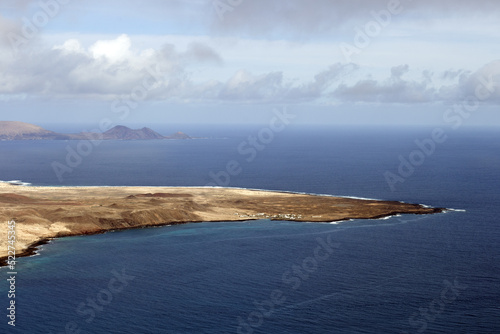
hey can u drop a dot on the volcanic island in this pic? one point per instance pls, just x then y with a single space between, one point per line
43 213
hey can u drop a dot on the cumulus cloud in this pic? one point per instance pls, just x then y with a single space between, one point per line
485 80
105 69
397 89
322 83
272 87
114 50
112 68
386 92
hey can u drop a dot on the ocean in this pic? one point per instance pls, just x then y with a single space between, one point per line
406 274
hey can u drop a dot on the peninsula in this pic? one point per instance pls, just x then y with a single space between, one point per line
42 213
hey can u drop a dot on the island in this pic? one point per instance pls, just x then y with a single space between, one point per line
43 213
11 130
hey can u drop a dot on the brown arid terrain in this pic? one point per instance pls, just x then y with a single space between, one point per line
20 130
42 213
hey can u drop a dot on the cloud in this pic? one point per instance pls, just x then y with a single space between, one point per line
485 80
395 89
302 18
202 53
244 86
322 82
273 87
112 68
453 74
114 50
106 69
8 28
16 4
398 71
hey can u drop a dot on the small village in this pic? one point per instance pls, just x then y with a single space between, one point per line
287 216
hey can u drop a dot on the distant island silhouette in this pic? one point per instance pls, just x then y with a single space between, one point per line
10 130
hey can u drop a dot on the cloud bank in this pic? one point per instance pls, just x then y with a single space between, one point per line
303 18
108 69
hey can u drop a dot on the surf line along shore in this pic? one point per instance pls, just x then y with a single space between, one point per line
43 213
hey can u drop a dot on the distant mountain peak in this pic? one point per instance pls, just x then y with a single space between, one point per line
120 127
121 132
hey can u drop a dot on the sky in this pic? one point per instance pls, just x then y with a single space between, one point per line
330 62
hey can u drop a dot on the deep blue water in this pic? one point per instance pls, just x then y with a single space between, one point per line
414 274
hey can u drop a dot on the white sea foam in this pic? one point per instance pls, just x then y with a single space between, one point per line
456 210
36 253
17 183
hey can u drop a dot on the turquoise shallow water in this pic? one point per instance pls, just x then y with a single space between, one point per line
414 274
